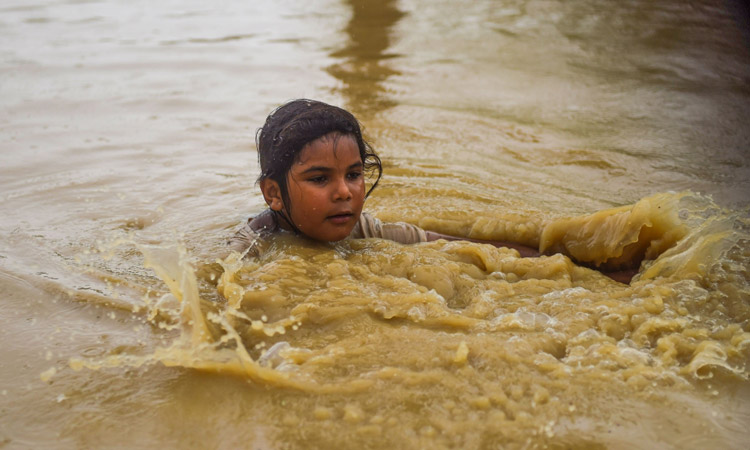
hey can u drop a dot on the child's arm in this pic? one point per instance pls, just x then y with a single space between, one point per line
524 250
406 233
623 276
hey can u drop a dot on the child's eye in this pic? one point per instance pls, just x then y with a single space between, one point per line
317 180
354 175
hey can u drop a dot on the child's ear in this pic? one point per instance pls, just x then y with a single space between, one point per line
272 193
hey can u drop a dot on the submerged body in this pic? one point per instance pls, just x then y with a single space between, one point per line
249 239
460 344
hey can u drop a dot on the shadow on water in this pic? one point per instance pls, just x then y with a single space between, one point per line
740 12
363 63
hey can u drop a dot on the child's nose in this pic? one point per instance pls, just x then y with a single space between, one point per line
341 190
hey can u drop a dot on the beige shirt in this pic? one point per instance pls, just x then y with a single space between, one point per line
250 236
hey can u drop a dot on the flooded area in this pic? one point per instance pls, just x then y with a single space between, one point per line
608 137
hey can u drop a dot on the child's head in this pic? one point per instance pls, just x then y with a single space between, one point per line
313 160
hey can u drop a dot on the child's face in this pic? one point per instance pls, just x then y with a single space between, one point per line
327 188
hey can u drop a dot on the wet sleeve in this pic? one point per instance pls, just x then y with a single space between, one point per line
404 233
251 235
245 237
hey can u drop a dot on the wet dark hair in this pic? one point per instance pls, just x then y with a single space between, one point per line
295 124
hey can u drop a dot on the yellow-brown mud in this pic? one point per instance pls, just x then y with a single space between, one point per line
464 345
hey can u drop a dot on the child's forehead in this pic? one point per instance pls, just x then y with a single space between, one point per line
332 137
332 146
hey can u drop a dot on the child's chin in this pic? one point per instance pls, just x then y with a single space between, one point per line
337 238
335 235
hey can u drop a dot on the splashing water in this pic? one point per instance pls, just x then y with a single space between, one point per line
490 342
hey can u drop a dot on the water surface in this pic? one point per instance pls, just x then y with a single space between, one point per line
128 158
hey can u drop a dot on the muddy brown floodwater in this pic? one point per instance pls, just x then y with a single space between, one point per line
608 136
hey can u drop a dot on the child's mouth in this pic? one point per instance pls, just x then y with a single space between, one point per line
340 218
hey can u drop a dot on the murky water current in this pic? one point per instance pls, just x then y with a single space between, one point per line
604 134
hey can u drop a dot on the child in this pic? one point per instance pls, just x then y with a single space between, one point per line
313 163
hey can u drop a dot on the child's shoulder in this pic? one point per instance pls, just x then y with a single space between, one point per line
264 222
256 226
